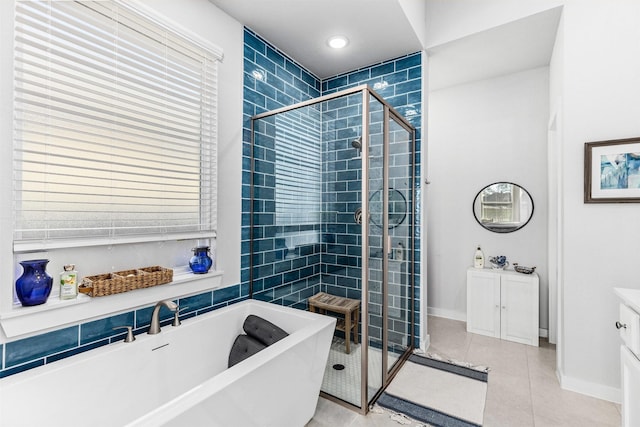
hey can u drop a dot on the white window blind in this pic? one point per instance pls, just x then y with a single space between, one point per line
298 168
115 126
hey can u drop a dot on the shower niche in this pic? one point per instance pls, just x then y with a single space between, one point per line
333 210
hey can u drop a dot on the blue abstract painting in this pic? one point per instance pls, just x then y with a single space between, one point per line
619 171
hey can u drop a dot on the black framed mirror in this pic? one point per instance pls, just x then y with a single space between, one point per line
397 208
503 207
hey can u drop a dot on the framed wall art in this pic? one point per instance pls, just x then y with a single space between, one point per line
612 171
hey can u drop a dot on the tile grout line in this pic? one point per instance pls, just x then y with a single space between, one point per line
533 415
466 358
467 348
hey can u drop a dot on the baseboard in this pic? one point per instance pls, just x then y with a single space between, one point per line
447 314
456 315
599 391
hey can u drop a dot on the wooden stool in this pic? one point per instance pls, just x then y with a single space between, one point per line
349 308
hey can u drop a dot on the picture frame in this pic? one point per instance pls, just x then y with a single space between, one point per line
612 171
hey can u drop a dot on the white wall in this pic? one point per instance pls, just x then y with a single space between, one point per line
594 89
416 12
556 196
600 96
480 133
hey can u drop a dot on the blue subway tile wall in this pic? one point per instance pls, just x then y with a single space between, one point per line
342 184
284 257
104 328
341 196
40 346
288 274
399 82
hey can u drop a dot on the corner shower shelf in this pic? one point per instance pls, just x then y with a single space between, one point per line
56 313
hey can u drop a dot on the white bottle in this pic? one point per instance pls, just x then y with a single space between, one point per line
69 282
478 259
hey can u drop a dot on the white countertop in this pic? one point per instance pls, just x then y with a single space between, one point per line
631 297
501 271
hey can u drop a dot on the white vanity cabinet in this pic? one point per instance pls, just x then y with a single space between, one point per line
629 327
503 304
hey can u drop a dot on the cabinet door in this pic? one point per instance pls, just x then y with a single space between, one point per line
483 303
630 388
519 309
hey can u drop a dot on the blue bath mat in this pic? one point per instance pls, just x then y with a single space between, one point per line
482 375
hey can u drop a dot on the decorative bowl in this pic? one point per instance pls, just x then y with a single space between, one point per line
499 262
522 269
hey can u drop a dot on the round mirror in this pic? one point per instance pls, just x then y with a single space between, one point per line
397 208
503 207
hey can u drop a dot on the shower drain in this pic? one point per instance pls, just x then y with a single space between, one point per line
338 367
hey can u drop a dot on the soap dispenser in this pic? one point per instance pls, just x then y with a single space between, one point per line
478 259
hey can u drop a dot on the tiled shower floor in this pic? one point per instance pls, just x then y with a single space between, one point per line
345 384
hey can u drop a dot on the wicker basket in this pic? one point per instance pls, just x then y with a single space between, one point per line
123 281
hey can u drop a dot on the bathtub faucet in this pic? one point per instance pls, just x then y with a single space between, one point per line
154 327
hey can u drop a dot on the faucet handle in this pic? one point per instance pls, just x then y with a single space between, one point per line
176 316
129 337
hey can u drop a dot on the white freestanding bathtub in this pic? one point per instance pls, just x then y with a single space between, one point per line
180 377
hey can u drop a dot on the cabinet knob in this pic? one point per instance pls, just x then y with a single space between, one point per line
620 325
504 307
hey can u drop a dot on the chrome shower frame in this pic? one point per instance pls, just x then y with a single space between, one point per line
389 112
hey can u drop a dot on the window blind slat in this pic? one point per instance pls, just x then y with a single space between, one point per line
77 31
73 87
100 77
115 125
93 133
298 165
86 59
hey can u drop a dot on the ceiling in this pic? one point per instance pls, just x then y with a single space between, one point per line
517 46
378 30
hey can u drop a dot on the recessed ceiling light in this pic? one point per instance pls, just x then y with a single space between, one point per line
338 42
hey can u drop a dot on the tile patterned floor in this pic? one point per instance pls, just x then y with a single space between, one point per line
523 389
345 384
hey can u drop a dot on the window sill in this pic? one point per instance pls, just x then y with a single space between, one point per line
56 313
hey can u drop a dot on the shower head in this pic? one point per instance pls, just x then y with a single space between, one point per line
357 143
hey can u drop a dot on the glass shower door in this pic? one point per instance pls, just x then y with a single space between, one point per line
400 218
390 244
375 249
331 202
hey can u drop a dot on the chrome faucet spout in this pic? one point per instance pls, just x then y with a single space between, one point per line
154 327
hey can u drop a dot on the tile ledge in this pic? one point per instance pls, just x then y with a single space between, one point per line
25 321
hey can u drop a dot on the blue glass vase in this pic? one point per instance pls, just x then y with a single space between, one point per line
200 262
34 286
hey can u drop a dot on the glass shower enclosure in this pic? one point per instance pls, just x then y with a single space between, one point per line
333 210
